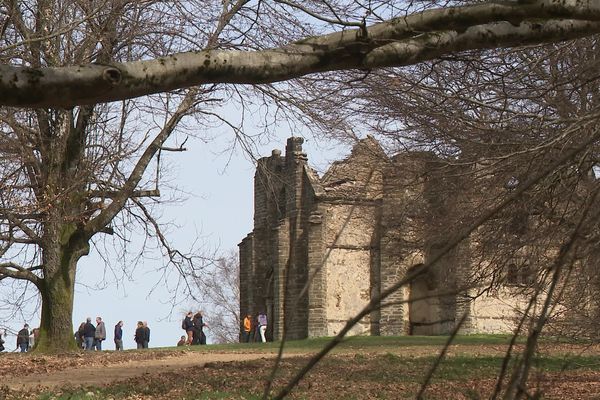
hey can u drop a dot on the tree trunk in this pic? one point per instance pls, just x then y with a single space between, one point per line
57 291
56 326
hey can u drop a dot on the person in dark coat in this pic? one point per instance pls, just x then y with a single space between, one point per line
89 334
188 327
23 339
140 335
79 338
146 335
198 334
119 336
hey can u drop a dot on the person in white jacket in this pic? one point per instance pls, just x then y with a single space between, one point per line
262 326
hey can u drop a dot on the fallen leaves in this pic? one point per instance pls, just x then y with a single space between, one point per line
469 373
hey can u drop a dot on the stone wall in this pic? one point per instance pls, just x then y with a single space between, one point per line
348 238
401 238
499 313
323 247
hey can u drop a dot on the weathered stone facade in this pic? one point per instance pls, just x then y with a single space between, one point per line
322 248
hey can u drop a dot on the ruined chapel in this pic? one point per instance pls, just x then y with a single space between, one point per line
322 247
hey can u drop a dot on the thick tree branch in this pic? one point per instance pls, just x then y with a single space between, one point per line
136 193
22 226
400 41
15 271
429 46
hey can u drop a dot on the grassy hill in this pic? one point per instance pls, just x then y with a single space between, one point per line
359 368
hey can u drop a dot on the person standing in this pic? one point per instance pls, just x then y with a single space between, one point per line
146 335
119 336
255 334
34 336
262 326
198 336
79 338
246 328
89 333
140 333
23 339
100 334
188 327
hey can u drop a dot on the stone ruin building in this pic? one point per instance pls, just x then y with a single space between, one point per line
323 247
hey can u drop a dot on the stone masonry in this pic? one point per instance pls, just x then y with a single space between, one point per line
323 247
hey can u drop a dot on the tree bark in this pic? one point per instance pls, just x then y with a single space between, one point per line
400 41
57 290
56 327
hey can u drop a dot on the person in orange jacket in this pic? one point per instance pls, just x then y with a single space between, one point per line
247 328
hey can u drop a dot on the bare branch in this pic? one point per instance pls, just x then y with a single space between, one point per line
125 193
15 271
135 193
422 269
336 21
397 42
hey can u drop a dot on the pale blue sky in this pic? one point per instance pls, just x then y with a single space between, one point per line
218 186
219 207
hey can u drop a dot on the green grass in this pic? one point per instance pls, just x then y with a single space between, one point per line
467 367
225 395
373 362
376 370
354 342
389 368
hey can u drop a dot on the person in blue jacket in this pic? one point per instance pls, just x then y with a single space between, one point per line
119 336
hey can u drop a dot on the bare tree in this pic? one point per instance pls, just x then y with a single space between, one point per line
63 183
69 176
217 292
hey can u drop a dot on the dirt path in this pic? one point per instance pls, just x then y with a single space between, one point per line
97 369
104 374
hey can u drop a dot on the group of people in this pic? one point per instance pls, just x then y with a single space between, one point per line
193 325
25 338
90 337
142 335
254 330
